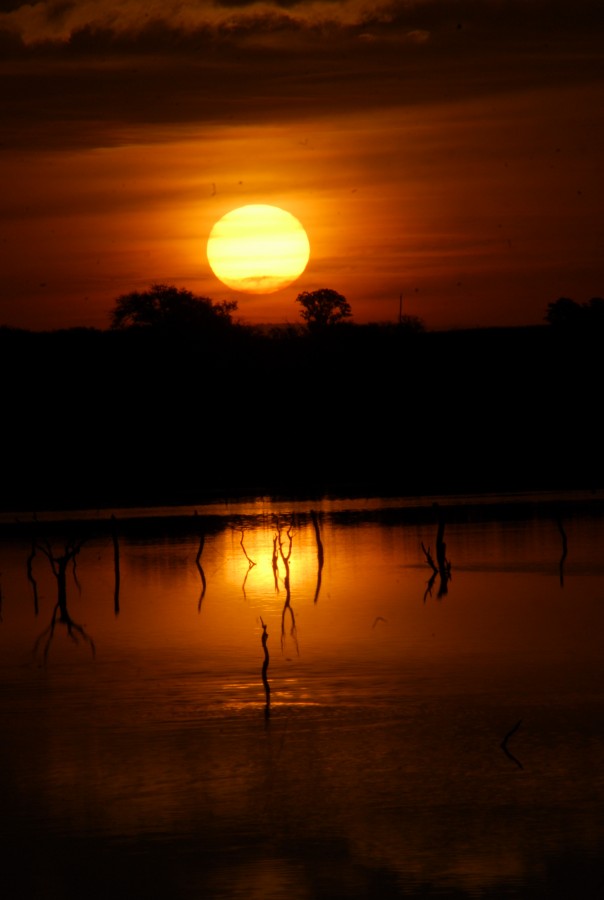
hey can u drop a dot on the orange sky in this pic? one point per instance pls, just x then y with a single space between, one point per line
448 152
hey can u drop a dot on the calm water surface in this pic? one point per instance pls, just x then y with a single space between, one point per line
150 768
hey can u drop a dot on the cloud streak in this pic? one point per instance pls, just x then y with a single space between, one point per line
58 20
64 21
101 73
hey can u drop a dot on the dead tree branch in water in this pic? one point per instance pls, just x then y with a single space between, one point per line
429 559
564 549
287 607
504 744
442 567
30 575
116 566
275 562
432 579
60 614
320 553
267 687
250 562
202 575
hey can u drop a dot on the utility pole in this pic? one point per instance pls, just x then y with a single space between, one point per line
400 309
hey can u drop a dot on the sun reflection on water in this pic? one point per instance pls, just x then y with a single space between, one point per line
382 757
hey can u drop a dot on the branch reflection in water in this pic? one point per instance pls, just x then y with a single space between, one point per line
31 577
287 607
250 562
504 744
201 573
401 722
320 552
116 565
267 687
442 570
564 550
60 613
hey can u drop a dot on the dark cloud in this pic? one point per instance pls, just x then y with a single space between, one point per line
62 21
89 70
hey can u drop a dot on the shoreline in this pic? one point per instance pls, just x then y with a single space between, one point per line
212 515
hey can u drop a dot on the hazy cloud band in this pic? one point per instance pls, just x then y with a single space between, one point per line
57 20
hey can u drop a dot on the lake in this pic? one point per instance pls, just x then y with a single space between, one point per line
353 698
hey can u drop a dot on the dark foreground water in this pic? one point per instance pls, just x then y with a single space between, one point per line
138 758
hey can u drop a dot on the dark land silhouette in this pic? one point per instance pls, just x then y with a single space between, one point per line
148 416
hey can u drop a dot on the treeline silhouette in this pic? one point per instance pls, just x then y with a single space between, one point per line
94 418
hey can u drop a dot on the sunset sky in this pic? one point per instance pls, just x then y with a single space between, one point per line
451 152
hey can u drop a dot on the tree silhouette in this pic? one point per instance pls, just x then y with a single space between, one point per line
570 315
412 324
166 306
323 308
563 312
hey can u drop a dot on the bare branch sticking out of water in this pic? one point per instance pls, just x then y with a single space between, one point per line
564 550
60 613
267 687
73 630
30 575
116 566
432 579
287 607
429 559
320 552
442 566
250 561
504 744
275 562
202 575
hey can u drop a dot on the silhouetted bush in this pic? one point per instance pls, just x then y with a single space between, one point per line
567 314
167 307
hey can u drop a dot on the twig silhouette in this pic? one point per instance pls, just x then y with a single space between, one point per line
320 553
287 607
250 561
504 744
116 566
442 566
267 687
60 614
30 575
202 575
275 562
564 550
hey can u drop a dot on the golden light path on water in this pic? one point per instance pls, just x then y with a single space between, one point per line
389 701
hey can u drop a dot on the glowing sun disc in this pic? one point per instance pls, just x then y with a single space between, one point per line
258 249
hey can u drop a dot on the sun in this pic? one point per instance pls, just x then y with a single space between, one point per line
258 249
